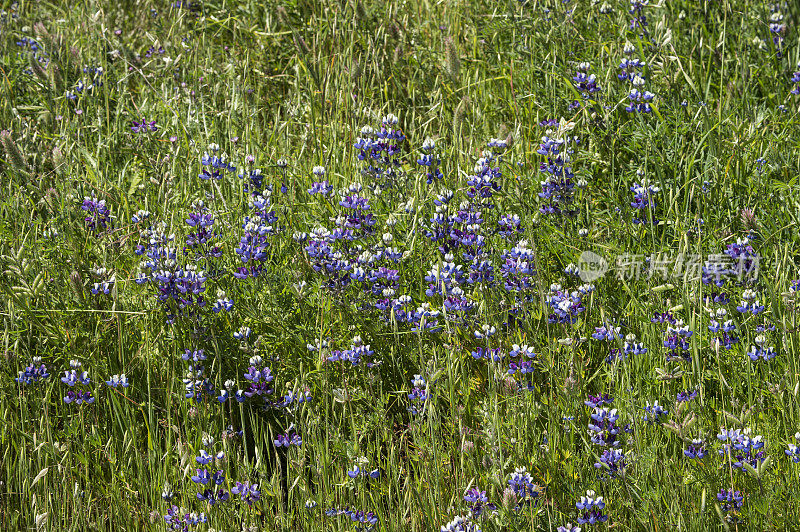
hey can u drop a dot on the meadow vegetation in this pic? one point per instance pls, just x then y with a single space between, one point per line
402 265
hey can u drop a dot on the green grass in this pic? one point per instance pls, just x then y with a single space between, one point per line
298 82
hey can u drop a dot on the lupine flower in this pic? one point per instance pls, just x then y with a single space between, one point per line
498 144
73 376
358 472
639 101
746 259
194 356
509 225
243 333
225 393
285 440
741 448
202 477
520 364
201 221
558 188
258 228
592 509
585 84
793 451
357 516
144 126
633 348
485 180
677 344
212 496
259 376
565 305
613 461
492 355
663 317
523 488
28 42
752 307
197 385
215 161
180 289
78 397
33 373
639 20
654 412
222 303
153 50
686 396
98 217
486 331
118 380
730 500
718 298
460 524
757 353
380 149
443 278
478 501
418 396
727 326
603 427
292 397
430 161
629 69
644 201
358 351
596 401
750 303
211 492
204 458
177 520
777 29
103 287
606 332
323 188
696 450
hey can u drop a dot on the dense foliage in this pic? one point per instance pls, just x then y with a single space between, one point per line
485 265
